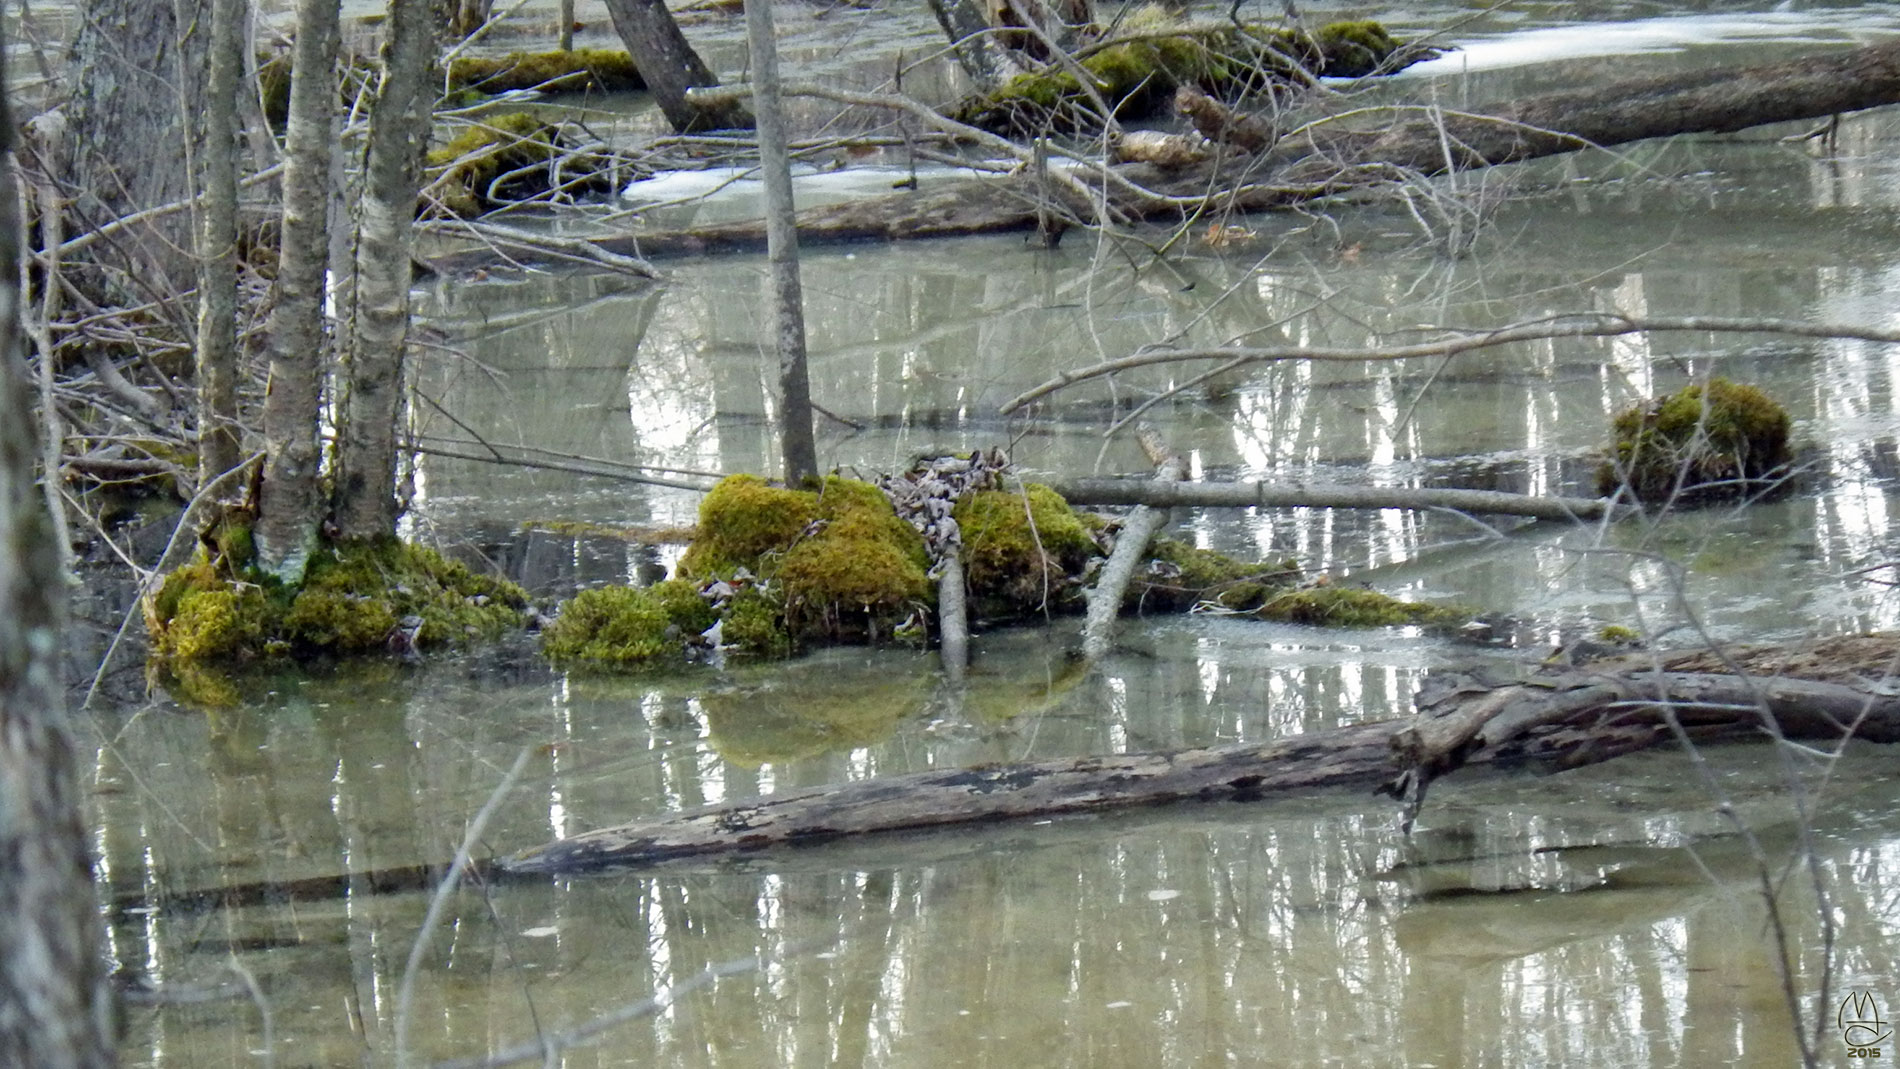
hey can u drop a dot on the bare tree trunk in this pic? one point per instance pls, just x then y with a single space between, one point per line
365 500
566 30
291 507
55 1008
977 49
140 64
218 431
670 66
781 242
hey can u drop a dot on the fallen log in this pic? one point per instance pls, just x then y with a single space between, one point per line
1328 158
1157 494
1553 716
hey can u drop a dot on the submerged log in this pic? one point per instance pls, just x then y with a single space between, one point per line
1157 494
1555 716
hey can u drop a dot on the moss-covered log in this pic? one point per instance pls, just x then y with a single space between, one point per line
1136 72
1559 717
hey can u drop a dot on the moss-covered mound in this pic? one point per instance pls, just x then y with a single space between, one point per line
582 70
1179 577
1722 440
1023 550
1345 606
355 598
1137 74
508 158
621 627
842 562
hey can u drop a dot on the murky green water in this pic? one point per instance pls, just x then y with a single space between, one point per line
1604 917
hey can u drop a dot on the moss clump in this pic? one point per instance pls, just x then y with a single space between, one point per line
1022 548
1137 76
755 623
1179 577
839 561
505 159
1700 443
614 627
1341 606
741 521
355 597
580 71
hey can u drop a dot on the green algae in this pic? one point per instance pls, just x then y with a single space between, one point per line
1700 443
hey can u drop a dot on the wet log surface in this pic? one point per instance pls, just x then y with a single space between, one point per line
1552 716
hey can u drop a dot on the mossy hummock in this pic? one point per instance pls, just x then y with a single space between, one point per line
582 70
355 598
1702 443
507 158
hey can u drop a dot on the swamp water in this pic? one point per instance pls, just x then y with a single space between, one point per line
1606 916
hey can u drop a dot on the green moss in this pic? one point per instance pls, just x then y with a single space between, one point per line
1137 76
1343 606
463 173
741 521
1022 546
843 563
1722 440
1618 635
613 627
579 71
353 598
1187 577
755 623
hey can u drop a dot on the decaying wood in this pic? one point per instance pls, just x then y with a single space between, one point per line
1131 548
1553 716
1096 492
1160 149
1218 122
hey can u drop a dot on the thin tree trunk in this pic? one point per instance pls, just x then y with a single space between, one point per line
55 1007
781 241
972 39
366 505
670 66
1131 548
566 31
291 507
218 430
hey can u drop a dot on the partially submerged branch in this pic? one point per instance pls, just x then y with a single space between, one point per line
1559 717
1155 493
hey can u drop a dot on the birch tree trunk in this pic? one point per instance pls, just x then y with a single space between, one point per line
366 505
218 431
781 244
670 66
55 1008
291 505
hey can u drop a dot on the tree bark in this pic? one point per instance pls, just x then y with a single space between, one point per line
1557 717
670 66
55 1007
781 240
1139 528
217 356
978 51
291 506
140 64
365 498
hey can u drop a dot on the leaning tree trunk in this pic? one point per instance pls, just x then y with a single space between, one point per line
670 66
139 65
218 432
365 499
55 1007
781 230
291 505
